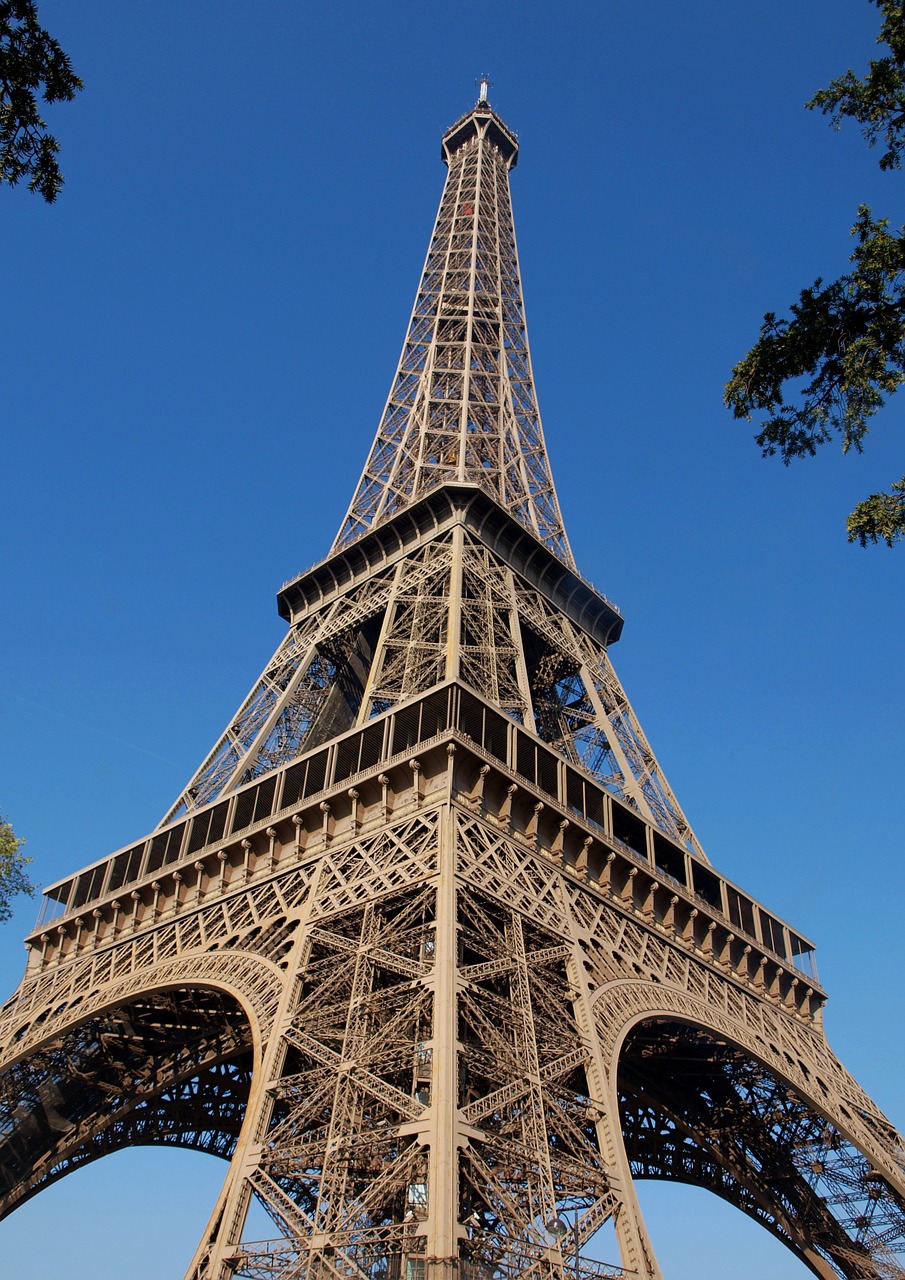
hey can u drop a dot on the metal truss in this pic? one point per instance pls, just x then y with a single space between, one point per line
462 410
462 406
313 673
697 1109
452 607
173 1068
426 949
581 708
433 1036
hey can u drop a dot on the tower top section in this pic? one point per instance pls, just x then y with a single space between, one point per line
483 122
462 408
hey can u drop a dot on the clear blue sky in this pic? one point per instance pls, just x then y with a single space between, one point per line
197 342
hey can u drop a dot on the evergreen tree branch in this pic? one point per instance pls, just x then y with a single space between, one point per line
31 61
879 518
826 369
876 102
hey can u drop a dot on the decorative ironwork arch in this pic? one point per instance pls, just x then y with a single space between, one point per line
709 1105
144 1061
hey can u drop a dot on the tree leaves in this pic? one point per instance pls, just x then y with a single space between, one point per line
30 61
13 862
877 102
879 518
842 352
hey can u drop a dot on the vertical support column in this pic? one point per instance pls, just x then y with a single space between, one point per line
520 665
442 1226
379 656
346 1103
476 219
220 1246
454 615
634 1243
534 1130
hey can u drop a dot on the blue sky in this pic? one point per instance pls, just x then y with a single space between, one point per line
197 342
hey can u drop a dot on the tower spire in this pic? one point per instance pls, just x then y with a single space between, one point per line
462 407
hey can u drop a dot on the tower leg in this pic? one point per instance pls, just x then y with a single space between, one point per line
442 1224
635 1248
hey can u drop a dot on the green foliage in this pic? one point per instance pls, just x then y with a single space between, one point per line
879 518
842 352
30 61
878 101
13 862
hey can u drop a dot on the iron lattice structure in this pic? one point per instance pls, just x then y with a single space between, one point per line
426 949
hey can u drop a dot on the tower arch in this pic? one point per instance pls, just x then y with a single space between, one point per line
155 1058
768 1122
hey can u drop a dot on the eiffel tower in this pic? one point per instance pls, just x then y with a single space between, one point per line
426 949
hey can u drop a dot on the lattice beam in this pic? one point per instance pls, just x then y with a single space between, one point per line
462 405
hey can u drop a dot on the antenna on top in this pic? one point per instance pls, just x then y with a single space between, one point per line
484 83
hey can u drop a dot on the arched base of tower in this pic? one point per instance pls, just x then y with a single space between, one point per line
471 1020
169 1068
697 1109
